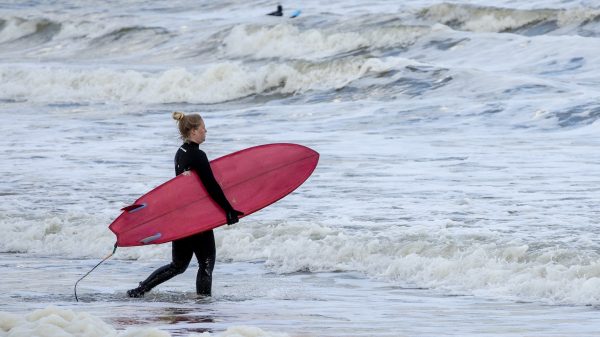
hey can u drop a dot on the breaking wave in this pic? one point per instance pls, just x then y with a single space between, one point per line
444 256
36 30
582 21
217 83
448 257
289 41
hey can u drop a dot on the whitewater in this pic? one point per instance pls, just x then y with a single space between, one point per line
456 194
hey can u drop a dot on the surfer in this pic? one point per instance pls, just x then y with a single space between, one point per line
190 157
278 12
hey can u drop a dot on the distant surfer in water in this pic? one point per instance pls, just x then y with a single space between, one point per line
278 12
190 157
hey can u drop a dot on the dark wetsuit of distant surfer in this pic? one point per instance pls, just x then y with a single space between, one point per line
190 157
278 12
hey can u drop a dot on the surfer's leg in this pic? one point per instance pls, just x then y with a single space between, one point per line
182 255
205 253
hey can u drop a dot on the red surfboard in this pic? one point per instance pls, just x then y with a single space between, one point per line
251 179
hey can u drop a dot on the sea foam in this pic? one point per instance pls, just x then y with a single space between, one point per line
56 322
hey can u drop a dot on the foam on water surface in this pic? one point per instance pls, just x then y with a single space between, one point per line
247 301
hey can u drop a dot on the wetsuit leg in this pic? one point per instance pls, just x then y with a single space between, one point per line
182 251
204 249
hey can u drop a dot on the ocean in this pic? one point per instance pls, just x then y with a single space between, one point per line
456 194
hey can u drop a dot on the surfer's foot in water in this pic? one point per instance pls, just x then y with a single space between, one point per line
203 298
136 292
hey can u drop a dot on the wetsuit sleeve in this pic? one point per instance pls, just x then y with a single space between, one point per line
202 167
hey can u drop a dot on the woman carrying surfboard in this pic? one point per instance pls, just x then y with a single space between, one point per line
190 157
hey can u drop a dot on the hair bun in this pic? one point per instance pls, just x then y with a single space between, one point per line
178 115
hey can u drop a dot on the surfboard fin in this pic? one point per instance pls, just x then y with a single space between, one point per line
133 208
151 238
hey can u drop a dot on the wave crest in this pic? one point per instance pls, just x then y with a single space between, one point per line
217 83
451 258
289 41
38 30
582 21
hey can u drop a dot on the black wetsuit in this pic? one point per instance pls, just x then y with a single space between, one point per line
190 157
278 12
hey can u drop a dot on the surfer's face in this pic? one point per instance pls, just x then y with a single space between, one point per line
198 135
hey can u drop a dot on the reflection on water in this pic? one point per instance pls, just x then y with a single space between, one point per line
182 320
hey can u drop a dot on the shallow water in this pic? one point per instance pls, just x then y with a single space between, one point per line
299 304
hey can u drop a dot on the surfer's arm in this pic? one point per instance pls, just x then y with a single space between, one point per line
202 167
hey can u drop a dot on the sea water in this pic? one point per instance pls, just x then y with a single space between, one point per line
456 194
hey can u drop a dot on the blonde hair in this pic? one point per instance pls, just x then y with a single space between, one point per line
186 123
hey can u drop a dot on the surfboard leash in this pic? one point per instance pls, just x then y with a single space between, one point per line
96 266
